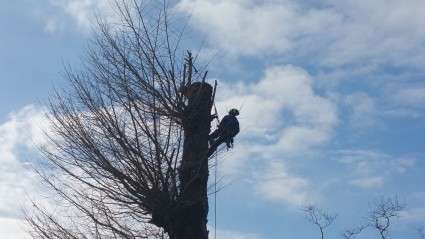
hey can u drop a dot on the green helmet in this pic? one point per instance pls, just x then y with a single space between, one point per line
234 112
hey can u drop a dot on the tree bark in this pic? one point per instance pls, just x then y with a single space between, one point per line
190 222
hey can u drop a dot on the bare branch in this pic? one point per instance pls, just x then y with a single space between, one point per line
381 212
319 217
353 232
128 142
380 215
421 232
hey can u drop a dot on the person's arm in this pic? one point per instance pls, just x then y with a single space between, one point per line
223 122
237 127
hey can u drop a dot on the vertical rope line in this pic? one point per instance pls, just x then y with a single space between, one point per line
215 198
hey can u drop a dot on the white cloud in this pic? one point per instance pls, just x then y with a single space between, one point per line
277 185
363 110
243 26
226 234
371 169
420 196
282 117
281 109
405 97
12 228
368 182
401 164
16 176
81 11
302 139
414 215
238 159
410 96
382 32
54 25
333 34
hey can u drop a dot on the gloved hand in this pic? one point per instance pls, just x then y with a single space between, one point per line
229 143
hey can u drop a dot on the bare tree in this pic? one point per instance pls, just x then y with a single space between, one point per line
380 215
421 232
353 232
382 211
127 152
322 219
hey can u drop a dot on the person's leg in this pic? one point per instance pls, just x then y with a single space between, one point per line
215 144
211 137
214 135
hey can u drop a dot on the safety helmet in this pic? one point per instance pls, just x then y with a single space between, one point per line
234 112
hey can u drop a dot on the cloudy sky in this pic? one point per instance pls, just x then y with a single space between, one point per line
333 96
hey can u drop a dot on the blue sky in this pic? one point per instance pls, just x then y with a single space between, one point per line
333 96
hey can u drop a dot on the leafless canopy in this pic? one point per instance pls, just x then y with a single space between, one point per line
380 215
322 219
421 232
117 133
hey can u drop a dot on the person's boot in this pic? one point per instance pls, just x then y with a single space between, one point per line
210 140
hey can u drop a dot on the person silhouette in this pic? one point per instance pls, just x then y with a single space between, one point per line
225 132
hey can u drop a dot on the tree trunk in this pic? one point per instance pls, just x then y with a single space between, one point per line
190 222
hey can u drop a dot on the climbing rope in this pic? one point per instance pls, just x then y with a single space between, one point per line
215 184
215 168
215 198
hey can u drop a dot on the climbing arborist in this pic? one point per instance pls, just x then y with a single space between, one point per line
225 132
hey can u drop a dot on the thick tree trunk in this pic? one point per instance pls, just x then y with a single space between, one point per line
190 222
